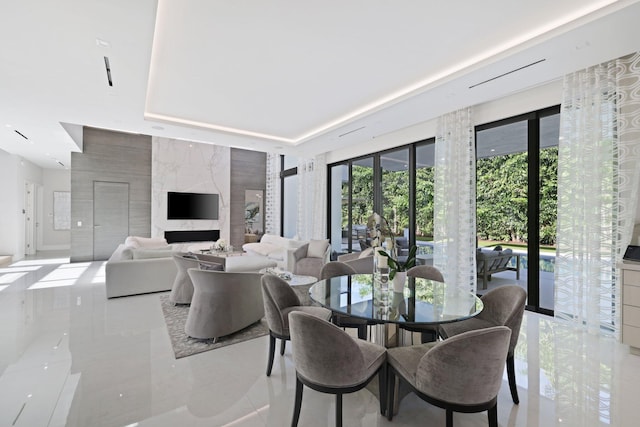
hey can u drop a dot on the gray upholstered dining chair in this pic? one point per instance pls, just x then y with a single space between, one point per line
335 269
461 374
223 303
328 360
428 333
279 300
503 306
182 289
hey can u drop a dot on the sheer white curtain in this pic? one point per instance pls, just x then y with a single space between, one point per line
455 200
312 198
598 177
272 199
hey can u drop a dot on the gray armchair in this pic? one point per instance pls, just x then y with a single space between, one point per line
279 300
503 306
461 374
223 303
361 262
182 289
328 360
309 258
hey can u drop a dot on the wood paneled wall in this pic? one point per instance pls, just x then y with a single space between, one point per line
112 157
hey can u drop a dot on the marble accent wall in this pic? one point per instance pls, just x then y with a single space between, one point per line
189 167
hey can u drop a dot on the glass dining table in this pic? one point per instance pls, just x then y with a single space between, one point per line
421 302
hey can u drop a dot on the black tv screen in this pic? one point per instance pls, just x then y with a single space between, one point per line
192 205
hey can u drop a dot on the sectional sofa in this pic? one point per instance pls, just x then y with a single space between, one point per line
144 265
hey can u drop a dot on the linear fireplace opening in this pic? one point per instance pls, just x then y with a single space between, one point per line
180 236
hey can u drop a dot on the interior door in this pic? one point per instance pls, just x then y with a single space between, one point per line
110 217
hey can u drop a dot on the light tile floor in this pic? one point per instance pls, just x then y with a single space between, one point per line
69 356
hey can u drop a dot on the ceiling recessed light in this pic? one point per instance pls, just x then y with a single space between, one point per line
157 127
7 126
102 43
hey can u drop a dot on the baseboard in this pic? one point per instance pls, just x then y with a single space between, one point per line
6 260
54 248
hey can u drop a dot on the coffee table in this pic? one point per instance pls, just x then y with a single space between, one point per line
290 278
219 257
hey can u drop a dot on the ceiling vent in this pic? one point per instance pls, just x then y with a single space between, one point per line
108 68
21 134
351 131
507 73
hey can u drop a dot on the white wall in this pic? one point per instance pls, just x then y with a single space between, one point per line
533 99
189 167
523 102
14 173
50 239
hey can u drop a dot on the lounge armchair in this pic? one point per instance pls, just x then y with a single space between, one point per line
223 303
309 258
489 262
361 262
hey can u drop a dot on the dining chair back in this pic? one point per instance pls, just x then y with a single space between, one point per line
329 360
335 269
503 306
463 375
279 300
428 333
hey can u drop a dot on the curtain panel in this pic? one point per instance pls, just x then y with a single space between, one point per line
273 196
312 198
455 200
598 178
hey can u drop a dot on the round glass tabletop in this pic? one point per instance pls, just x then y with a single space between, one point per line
422 301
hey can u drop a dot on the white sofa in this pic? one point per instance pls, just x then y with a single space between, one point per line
132 271
275 248
144 265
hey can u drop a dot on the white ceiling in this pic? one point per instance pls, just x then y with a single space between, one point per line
284 75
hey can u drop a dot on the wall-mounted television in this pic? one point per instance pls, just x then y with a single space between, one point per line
192 205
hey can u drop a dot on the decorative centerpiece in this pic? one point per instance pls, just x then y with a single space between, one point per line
397 268
219 245
284 275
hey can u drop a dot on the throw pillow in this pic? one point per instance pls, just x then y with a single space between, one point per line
144 253
261 248
145 242
317 248
127 253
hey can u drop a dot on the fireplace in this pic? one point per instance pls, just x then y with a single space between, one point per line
179 236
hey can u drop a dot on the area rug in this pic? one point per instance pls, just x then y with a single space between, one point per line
176 316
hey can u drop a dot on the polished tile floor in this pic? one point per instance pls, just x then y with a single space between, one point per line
69 356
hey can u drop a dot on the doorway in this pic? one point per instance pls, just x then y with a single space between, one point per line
110 217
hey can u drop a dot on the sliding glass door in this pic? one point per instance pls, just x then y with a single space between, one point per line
362 186
394 168
516 188
424 190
